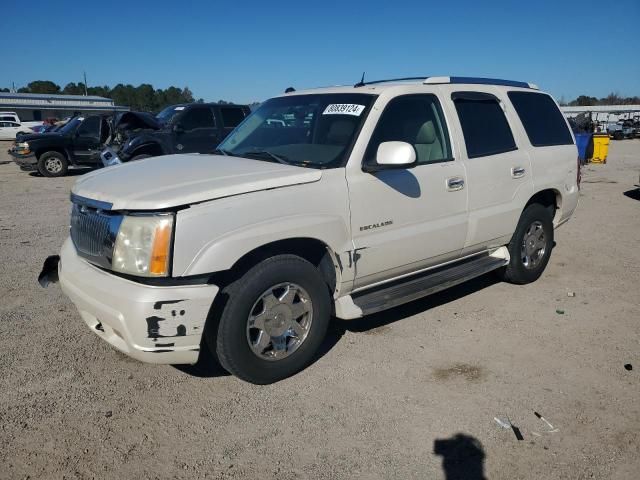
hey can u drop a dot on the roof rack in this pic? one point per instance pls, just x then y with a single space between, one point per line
452 80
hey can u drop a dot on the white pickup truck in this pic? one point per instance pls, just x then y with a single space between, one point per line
336 201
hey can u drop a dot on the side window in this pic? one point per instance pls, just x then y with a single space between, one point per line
543 122
484 125
415 119
198 117
90 127
231 116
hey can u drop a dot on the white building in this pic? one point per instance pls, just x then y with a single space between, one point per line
39 106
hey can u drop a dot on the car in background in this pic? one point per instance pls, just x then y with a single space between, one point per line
76 144
13 117
189 128
9 130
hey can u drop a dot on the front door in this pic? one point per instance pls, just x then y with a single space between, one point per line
86 144
197 132
403 220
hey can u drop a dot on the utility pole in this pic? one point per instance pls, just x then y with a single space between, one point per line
85 83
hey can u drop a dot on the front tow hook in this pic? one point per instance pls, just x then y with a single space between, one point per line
49 273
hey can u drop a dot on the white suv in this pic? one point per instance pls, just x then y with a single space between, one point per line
336 201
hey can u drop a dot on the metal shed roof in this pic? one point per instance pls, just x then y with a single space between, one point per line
50 96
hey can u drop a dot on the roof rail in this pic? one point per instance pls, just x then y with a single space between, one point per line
479 81
404 79
438 80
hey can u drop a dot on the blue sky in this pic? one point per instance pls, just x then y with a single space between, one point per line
251 50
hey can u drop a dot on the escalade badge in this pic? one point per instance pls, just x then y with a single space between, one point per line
386 223
179 146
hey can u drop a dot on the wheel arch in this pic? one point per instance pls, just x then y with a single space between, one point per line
150 148
315 251
41 151
551 199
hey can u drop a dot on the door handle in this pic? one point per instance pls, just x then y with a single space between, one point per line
455 183
518 172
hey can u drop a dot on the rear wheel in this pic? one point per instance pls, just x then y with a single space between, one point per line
274 320
53 164
530 246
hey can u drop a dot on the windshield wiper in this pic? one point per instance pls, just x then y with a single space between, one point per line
224 152
261 153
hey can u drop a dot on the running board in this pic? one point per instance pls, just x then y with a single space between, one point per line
411 288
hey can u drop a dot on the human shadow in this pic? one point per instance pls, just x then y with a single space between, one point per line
462 457
633 194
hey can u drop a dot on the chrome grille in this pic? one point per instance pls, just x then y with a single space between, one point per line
93 232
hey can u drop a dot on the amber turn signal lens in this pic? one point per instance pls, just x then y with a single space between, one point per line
159 264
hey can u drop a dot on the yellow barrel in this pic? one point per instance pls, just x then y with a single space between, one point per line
600 148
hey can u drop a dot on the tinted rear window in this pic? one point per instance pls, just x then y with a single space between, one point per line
543 122
484 126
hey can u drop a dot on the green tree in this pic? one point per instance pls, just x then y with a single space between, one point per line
40 86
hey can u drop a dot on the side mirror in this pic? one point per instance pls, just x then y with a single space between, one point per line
392 155
177 128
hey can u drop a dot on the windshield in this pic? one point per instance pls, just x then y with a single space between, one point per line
73 123
168 113
307 130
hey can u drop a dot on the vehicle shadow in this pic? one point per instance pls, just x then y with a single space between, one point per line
633 194
209 367
74 172
462 457
339 327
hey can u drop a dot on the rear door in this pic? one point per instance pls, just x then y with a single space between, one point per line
498 168
86 142
197 132
230 117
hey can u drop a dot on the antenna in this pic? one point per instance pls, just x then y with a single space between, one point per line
85 83
360 83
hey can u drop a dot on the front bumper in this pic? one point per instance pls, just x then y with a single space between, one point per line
151 324
26 161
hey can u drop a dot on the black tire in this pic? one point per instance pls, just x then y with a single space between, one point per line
618 136
53 164
517 270
230 339
140 157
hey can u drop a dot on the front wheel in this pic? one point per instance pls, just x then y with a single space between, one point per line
53 164
274 320
530 247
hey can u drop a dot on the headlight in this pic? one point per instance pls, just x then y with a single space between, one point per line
24 146
143 245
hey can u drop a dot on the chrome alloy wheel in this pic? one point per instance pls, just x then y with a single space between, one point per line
279 321
53 165
534 245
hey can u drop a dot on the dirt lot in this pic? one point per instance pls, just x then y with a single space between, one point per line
409 393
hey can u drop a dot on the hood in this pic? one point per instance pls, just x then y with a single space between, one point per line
135 121
163 182
28 137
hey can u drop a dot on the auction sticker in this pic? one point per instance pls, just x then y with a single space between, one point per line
343 109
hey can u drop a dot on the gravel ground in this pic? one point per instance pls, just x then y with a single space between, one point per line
408 393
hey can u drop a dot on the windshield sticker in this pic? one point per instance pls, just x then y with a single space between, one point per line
179 108
343 109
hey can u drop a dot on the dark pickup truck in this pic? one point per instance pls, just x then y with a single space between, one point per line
78 143
190 128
